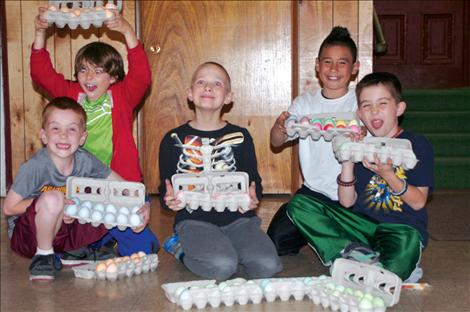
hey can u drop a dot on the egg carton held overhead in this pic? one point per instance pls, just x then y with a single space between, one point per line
81 13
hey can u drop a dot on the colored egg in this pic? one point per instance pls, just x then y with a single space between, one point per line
305 120
340 124
112 268
101 267
355 129
317 124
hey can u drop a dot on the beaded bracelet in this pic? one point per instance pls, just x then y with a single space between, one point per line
345 184
403 190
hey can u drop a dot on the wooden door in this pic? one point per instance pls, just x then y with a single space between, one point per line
428 42
252 39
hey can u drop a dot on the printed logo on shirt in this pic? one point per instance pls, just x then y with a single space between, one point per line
47 188
378 194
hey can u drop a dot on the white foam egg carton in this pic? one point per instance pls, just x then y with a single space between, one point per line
83 13
117 268
326 125
212 190
101 201
354 287
399 150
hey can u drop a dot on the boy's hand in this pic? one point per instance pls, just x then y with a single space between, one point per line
253 198
144 211
281 120
383 170
170 200
120 24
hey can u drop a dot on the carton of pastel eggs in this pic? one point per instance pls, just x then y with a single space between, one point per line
354 287
212 190
100 201
399 150
116 268
327 125
83 13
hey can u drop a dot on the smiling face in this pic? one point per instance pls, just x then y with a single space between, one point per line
94 80
379 110
63 132
334 68
210 88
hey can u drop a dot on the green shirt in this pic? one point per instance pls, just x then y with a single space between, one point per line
100 128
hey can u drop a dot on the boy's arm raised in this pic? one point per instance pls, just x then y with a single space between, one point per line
40 27
120 24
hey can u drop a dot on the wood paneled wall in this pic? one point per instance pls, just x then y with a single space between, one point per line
305 24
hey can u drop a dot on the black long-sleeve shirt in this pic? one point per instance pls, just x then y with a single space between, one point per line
245 158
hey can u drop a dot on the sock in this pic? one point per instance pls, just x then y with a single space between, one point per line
44 252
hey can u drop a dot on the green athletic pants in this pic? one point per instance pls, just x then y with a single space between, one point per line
328 228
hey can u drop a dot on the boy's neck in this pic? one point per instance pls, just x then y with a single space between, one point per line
64 166
333 94
208 121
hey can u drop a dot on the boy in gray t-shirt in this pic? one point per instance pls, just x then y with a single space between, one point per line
36 200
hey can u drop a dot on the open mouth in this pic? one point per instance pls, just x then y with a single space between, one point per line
63 146
377 123
90 87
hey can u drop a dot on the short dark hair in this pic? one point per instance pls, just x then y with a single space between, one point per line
339 36
63 103
102 55
229 87
388 80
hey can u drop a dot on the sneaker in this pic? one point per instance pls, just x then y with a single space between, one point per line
86 255
361 253
415 276
172 245
44 267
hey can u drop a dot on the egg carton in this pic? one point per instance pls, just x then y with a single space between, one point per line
399 150
117 268
83 13
212 190
326 125
100 201
354 287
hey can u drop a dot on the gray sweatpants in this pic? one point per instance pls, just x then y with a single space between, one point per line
213 251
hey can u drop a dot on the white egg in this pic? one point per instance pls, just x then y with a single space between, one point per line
76 200
98 207
111 208
135 209
87 204
71 210
121 219
124 210
84 213
96 216
109 218
134 220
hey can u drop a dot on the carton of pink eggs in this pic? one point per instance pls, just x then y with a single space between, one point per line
327 125
100 201
120 267
399 150
83 13
212 190
354 287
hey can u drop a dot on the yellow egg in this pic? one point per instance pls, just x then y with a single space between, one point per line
112 268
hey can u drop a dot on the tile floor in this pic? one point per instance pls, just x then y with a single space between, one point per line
446 267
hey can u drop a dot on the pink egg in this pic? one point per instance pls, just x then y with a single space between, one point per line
354 128
305 120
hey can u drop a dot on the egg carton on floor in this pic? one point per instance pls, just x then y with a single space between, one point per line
83 13
101 201
116 268
212 190
326 125
399 150
354 287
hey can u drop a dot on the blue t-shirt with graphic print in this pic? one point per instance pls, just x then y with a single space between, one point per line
374 195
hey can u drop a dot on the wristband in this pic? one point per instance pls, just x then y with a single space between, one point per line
403 190
345 184
147 198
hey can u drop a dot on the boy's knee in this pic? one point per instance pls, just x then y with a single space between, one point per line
264 266
52 201
222 267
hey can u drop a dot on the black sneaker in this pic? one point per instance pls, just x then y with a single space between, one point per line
43 268
86 255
